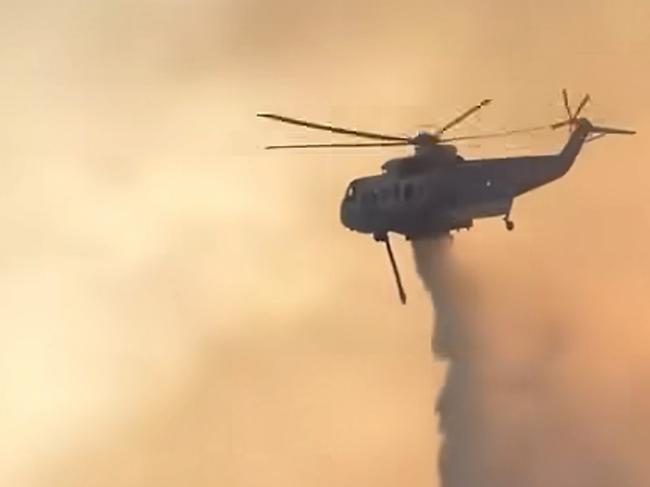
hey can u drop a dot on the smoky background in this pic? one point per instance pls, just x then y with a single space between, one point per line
180 307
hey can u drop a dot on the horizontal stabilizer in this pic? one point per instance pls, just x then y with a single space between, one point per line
609 130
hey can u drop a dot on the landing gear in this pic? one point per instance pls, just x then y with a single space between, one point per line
510 225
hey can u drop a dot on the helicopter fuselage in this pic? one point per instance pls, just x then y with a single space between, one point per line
437 191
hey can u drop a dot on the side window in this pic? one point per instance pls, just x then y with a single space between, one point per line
408 191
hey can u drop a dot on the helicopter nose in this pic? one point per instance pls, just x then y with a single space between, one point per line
347 215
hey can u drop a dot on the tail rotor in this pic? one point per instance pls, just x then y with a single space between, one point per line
574 120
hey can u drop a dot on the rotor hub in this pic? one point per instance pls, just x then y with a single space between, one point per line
425 139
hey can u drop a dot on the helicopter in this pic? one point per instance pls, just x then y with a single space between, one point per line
435 190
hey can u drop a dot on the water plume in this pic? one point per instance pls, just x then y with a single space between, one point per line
458 404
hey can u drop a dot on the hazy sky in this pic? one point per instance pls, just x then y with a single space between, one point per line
180 307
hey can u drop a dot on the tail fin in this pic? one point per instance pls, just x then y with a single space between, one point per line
581 129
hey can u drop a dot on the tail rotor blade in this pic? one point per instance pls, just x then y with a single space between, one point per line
583 103
565 98
561 124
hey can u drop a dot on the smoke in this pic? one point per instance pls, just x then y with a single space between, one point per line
518 406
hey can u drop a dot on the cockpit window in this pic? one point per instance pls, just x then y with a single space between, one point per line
351 192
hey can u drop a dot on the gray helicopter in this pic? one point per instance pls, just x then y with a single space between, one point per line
435 190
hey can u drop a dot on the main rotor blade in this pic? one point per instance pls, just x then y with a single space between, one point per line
331 128
584 101
315 146
496 134
463 116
